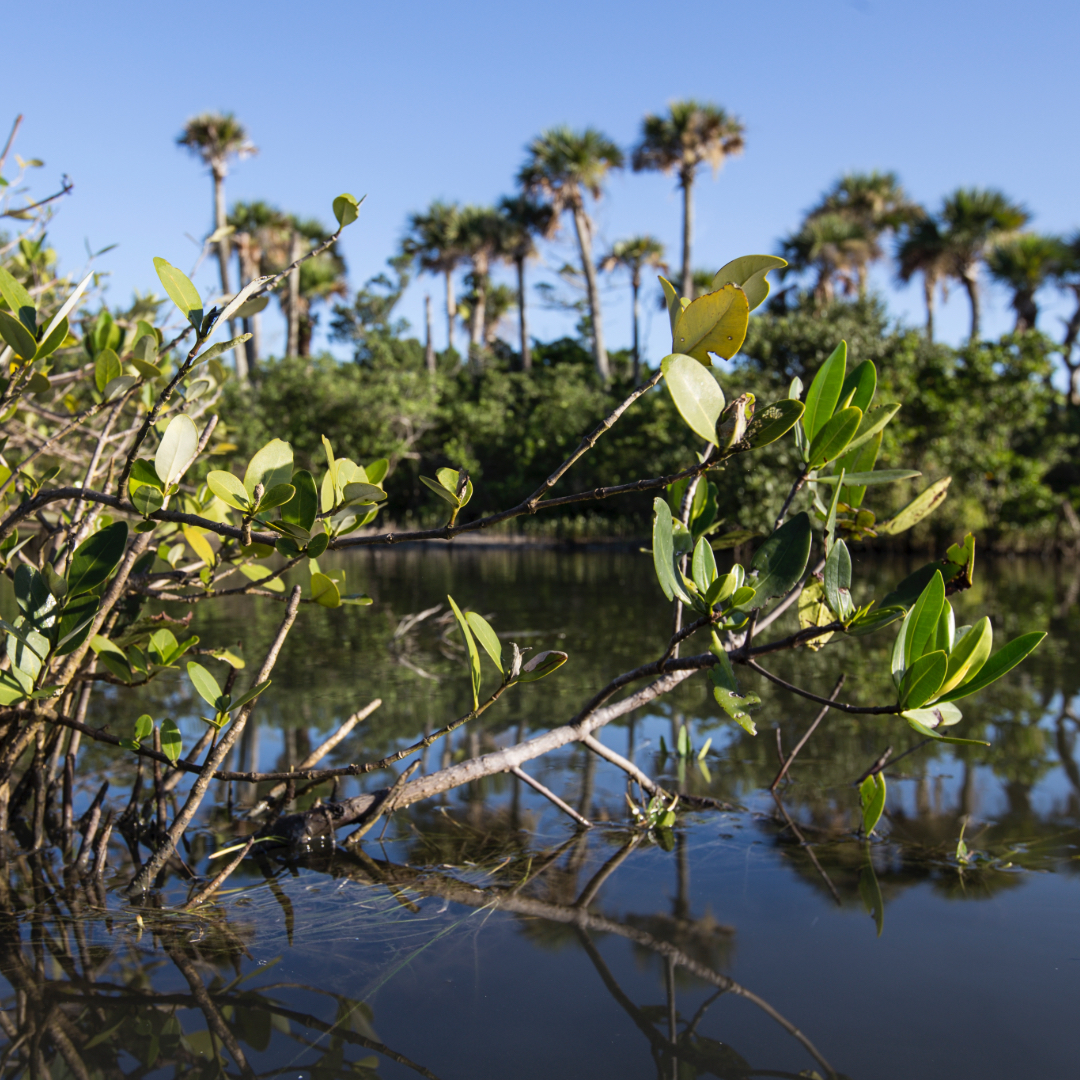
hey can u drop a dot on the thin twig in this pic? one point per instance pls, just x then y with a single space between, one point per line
785 765
550 795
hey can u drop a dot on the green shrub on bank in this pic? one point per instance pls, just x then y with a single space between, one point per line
985 414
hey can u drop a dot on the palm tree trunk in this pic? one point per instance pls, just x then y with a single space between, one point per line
971 285
928 293
583 227
1027 311
687 234
451 308
429 345
523 324
479 315
635 285
292 336
220 221
252 324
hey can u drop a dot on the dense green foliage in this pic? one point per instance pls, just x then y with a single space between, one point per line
985 414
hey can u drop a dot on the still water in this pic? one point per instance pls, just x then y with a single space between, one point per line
483 936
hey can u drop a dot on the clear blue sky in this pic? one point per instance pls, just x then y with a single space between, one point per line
407 102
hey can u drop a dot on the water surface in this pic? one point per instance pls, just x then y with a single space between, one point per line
482 935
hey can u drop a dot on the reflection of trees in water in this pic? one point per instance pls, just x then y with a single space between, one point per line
103 993
88 998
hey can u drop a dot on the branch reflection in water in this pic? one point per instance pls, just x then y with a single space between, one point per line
96 989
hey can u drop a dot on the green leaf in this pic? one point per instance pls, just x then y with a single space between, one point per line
833 438
703 566
875 620
317 545
324 591
271 465
172 743
359 492
219 349
922 679
183 294
542 665
259 574
346 209
872 797
830 518
734 703
868 479
19 300
929 733
859 386
474 656
837 580
671 298
251 307
968 656
145 368
177 449
143 472
772 422
446 496
697 395
53 340
919 507
922 624
248 695
376 471
278 495
206 686
228 489
748 272
781 561
1001 663
96 558
147 500
934 716
22 342
117 387
873 422
144 727
486 636
664 551
824 392
303 508
107 367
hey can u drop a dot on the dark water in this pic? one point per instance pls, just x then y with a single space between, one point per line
482 936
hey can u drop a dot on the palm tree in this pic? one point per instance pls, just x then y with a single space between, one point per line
1067 276
259 228
976 220
690 135
319 279
215 138
481 238
1026 263
499 300
923 249
432 241
524 220
561 167
877 203
837 247
635 254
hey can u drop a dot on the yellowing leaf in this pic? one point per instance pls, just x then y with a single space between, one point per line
714 323
199 544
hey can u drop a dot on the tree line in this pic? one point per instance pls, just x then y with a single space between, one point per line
862 219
